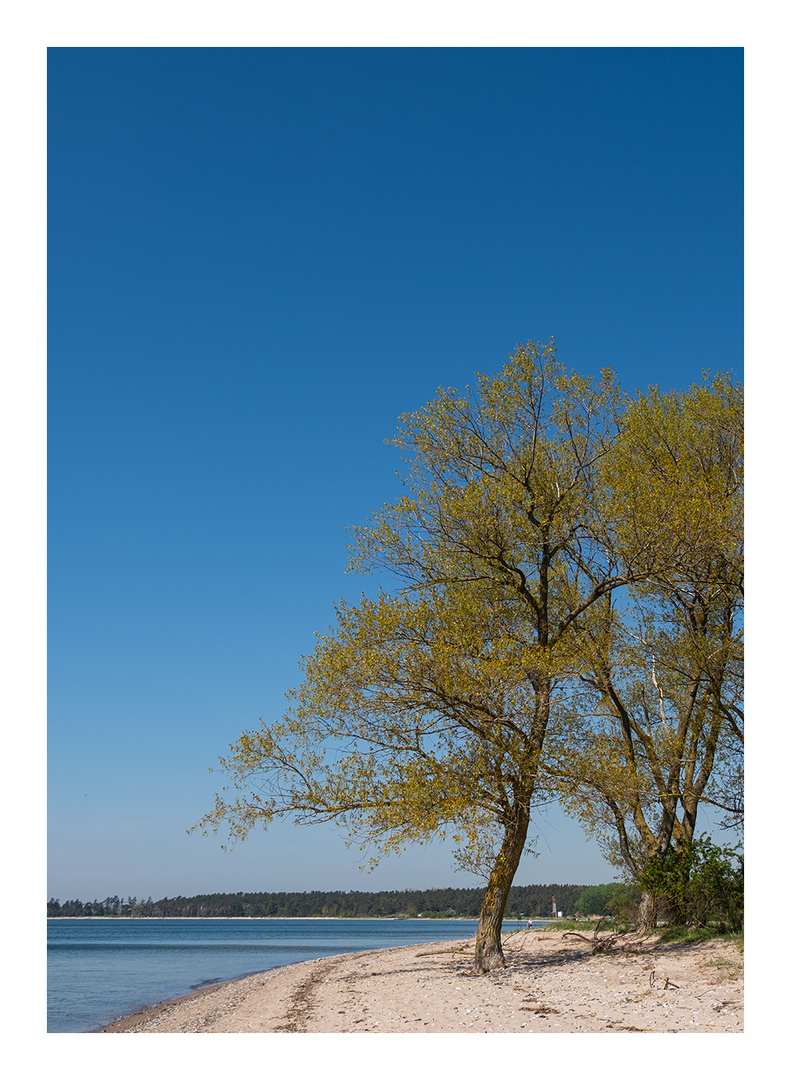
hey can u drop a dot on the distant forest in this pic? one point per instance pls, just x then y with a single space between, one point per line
524 901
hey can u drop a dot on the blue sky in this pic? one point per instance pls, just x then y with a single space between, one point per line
259 258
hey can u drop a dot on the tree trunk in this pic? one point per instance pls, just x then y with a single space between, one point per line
488 943
647 914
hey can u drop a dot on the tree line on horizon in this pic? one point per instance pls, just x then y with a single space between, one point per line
524 901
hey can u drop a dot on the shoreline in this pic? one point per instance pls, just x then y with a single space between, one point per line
270 918
554 983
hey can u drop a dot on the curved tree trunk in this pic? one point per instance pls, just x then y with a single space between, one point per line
488 943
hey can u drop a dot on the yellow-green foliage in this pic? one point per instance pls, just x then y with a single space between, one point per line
502 666
662 698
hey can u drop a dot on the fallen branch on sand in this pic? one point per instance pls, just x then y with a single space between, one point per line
439 952
600 944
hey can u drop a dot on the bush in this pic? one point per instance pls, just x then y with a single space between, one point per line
698 883
625 905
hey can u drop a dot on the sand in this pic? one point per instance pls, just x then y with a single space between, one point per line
553 983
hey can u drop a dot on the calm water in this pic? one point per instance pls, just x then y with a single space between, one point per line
99 969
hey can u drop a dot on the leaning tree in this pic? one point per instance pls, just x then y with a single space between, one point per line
430 710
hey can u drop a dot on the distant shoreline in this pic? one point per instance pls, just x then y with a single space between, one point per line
268 918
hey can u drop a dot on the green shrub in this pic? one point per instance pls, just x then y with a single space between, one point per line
697 884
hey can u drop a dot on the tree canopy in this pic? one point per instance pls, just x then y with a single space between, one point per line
594 900
447 705
660 709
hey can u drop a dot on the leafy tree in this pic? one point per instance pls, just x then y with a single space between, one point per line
662 698
427 712
595 900
502 668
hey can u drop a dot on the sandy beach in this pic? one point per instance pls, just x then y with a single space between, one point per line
554 983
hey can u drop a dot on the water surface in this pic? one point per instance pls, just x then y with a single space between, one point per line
100 969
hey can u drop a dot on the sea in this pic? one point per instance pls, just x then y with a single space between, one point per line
101 969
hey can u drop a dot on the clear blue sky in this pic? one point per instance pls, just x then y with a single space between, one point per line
257 260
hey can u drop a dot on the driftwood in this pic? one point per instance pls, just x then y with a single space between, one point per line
441 952
600 944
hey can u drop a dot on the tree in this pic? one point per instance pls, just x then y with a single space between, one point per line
428 711
595 900
662 696
503 667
